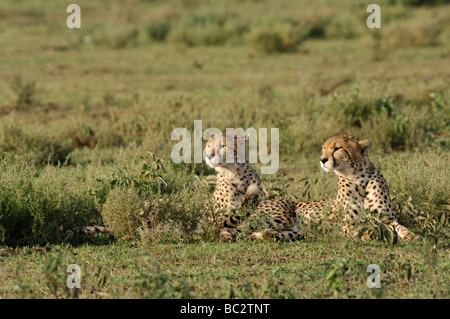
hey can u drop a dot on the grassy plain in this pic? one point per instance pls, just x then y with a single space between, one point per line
81 108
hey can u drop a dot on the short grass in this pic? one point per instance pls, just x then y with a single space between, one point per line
80 110
322 268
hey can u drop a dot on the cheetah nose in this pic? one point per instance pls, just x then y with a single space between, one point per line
324 160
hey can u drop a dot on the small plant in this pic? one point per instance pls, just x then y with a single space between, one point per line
275 289
53 269
358 110
25 92
338 269
41 205
398 131
125 212
205 29
419 32
371 226
266 41
379 46
152 177
283 38
152 282
340 27
39 148
84 136
190 211
280 192
159 31
151 169
118 38
384 104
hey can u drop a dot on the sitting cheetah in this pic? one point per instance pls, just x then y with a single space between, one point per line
361 186
237 186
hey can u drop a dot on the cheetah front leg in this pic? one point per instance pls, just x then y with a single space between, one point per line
265 234
405 234
281 222
230 228
227 234
289 234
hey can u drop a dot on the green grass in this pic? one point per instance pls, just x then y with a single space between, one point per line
212 270
81 109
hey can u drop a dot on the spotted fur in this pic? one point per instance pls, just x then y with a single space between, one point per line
361 186
239 186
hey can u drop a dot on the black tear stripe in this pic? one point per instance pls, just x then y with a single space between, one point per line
332 156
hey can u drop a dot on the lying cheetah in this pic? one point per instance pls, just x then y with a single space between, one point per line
237 186
361 186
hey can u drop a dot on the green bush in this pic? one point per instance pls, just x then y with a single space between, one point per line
342 27
124 212
418 34
118 37
152 196
40 206
191 211
159 31
420 190
358 109
208 29
315 27
39 148
283 38
266 41
25 92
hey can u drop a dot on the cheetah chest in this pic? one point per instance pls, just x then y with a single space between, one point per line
228 193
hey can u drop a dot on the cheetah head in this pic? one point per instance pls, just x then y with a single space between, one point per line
344 154
224 145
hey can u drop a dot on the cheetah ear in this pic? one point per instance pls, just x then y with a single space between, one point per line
242 138
365 146
238 138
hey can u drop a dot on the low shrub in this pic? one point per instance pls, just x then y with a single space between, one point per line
124 212
159 31
152 196
117 37
39 147
207 29
40 206
25 92
419 191
283 38
342 27
423 29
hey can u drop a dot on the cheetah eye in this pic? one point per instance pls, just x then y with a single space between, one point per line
337 148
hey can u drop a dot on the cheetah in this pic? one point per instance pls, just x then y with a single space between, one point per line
361 186
239 186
